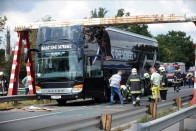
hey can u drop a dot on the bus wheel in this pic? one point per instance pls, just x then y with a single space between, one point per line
61 102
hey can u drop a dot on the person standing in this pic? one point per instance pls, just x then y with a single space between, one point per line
177 80
156 84
190 79
3 84
147 85
133 82
163 90
25 82
115 87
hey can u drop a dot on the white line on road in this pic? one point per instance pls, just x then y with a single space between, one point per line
7 121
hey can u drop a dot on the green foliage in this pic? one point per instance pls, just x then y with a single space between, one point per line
2 59
147 118
176 47
99 14
141 29
5 65
3 20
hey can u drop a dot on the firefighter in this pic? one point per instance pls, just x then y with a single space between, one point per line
147 84
190 79
133 82
177 80
163 89
125 93
156 81
3 84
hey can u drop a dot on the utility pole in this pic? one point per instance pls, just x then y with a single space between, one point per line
7 52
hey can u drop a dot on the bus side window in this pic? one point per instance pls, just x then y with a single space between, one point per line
93 68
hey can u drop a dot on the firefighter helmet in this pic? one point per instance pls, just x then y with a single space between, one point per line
134 71
190 74
1 74
123 87
162 69
146 75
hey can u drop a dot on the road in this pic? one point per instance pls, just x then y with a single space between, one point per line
23 120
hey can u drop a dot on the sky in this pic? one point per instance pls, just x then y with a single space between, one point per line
19 12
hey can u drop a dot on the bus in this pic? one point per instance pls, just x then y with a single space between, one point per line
70 62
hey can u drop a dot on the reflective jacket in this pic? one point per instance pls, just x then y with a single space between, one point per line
134 83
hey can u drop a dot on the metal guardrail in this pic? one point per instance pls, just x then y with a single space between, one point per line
167 121
93 123
17 98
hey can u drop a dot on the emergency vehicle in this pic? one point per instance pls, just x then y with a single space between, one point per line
170 69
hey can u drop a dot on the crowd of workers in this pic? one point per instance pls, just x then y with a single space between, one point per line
155 85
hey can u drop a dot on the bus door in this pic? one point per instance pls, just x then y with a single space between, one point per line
94 80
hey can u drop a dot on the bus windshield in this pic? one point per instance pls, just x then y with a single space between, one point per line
170 69
63 64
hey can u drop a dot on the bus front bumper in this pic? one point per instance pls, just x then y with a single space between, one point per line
59 96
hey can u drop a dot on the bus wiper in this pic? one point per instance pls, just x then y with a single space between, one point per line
67 40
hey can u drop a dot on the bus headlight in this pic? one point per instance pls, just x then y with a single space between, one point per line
77 88
38 89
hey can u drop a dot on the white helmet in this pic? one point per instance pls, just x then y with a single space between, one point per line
134 71
1 74
123 87
146 75
162 69
179 70
190 74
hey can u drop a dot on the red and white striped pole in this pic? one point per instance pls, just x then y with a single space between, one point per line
193 101
29 66
14 77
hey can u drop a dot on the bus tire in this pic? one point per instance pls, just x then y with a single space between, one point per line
61 102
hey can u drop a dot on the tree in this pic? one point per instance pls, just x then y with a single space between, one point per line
141 29
176 47
3 20
100 14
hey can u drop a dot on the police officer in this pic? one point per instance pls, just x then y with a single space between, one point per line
133 82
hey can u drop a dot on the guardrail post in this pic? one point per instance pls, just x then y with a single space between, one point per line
179 103
106 121
153 110
181 125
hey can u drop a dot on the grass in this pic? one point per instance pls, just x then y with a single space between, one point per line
147 118
19 104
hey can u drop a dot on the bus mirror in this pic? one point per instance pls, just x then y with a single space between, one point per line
80 53
86 46
27 53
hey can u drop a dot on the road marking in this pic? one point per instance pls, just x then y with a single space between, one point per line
7 121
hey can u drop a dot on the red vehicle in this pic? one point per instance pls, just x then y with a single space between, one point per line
170 70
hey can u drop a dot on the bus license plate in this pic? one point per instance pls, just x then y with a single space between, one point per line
55 97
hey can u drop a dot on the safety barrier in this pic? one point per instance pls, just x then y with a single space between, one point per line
166 121
17 98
